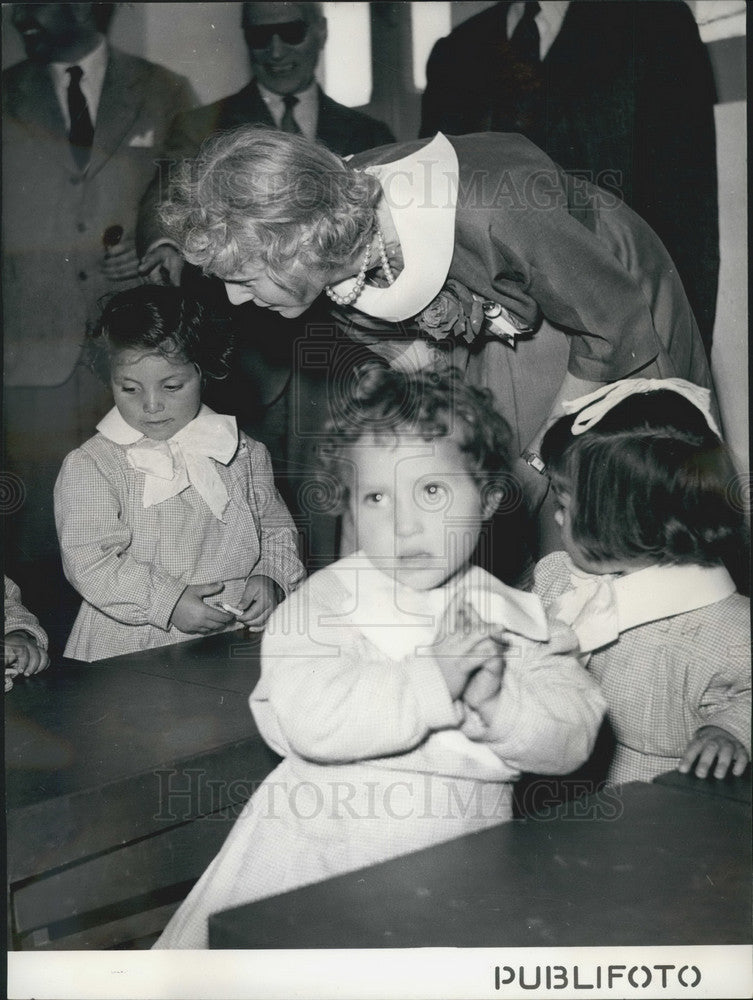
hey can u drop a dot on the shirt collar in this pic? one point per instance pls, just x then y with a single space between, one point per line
380 602
93 66
421 191
115 428
306 111
548 20
599 608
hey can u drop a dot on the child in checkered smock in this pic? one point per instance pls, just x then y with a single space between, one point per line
405 688
169 522
648 517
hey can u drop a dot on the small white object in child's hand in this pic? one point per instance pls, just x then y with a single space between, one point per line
231 610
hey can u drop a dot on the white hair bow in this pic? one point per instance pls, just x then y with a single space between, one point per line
169 467
592 407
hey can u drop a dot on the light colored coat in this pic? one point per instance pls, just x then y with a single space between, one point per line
380 760
54 217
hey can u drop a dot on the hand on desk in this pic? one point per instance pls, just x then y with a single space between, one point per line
711 743
22 655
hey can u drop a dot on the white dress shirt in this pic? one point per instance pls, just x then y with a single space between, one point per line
305 112
93 67
548 20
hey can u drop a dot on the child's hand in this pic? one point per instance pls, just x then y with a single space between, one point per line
713 743
260 598
463 645
21 650
192 614
483 688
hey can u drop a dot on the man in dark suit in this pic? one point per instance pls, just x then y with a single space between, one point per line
621 92
82 126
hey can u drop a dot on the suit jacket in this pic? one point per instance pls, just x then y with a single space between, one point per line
54 216
341 129
625 95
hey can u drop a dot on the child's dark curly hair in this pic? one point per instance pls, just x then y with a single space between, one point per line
428 403
160 320
650 481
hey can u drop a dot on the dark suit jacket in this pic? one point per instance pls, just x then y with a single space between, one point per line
341 129
625 95
54 216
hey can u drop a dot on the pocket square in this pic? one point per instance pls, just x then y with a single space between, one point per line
145 140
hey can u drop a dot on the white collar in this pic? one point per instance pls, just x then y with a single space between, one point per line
548 20
421 191
114 427
599 608
398 619
307 96
186 459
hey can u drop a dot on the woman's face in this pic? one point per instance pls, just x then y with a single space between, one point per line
255 284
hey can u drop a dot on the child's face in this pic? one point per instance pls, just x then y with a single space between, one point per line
155 395
417 510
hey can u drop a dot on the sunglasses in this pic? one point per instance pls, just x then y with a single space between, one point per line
290 33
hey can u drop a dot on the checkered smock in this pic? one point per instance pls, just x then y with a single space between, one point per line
131 564
377 760
665 679
17 618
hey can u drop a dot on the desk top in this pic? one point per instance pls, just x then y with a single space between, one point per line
90 747
641 865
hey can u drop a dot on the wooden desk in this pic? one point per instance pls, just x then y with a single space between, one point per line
646 864
123 779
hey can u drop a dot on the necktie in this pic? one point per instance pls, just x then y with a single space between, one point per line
288 122
81 133
525 40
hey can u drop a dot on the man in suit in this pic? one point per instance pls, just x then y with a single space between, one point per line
82 126
621 92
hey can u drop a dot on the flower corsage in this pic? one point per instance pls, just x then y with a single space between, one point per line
461 315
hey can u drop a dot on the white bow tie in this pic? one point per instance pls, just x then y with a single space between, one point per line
184 460
590 609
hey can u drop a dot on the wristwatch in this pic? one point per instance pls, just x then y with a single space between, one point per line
535 461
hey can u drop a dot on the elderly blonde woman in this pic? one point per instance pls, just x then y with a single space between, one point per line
537 283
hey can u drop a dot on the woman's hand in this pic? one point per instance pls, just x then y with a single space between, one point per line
712 743
193 615
260 597
162 265
120 262
23 654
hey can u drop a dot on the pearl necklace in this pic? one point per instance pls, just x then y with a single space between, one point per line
352 295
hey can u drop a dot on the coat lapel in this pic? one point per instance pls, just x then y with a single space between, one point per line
119 107
244 107
34 101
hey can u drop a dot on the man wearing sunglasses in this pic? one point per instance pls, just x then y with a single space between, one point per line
284 41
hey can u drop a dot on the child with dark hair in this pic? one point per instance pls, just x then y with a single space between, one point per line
645 488
169 522
405 688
